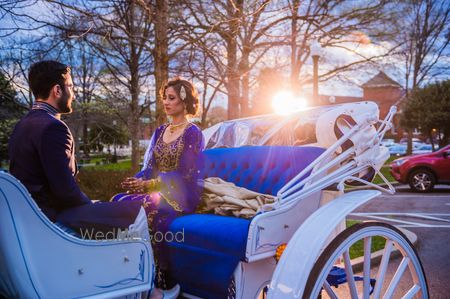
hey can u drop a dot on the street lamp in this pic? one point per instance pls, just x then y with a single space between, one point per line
315 50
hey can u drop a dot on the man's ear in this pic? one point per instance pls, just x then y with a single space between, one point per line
56 91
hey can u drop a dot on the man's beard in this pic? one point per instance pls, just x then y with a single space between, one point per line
64 106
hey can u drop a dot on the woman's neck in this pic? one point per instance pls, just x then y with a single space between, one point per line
178 119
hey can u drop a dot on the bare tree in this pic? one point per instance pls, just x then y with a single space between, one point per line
86 72
425 36
117 31
161 54
233 34
239 34
197 66
336 25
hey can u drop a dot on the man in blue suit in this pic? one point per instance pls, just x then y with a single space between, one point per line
41 150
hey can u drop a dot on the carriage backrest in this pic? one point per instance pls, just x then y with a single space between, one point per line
264 169
20 219
39 260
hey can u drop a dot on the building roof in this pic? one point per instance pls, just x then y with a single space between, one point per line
381 80
329 100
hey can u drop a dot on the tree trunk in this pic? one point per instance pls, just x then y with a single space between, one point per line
134 121
134 105
161 56
232 67
85 134
295 66
409 144
430 136
244 69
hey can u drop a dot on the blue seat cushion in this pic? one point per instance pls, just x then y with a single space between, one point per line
264 169
227 235
213 245
204 261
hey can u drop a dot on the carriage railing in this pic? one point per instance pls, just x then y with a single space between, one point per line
357 159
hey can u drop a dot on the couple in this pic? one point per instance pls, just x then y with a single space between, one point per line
41 151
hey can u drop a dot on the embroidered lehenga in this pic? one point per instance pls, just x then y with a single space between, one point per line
178 165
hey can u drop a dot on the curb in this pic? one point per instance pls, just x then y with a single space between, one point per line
394 184
358 263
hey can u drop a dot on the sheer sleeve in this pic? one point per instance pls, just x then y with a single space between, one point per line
191 163
149 170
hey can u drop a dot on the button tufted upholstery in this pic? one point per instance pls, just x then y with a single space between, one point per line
264 169
213 245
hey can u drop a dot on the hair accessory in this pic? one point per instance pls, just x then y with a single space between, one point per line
182 93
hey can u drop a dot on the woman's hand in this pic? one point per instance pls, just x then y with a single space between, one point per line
134 185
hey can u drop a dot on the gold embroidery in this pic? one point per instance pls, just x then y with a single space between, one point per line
150 217
167 155
175 205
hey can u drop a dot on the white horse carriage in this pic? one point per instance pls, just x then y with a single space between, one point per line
297 247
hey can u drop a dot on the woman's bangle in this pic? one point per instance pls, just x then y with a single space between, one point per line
153 185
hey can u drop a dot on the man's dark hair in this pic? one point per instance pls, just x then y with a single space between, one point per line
44 75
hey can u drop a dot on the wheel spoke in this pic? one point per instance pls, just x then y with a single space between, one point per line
412 292
349 275
415 276
408 272
421 181
367 258
329 290
396 279
382 269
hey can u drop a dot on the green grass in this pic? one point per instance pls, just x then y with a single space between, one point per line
357 249
122 165
385 171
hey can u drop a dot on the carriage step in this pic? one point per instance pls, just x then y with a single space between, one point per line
337 276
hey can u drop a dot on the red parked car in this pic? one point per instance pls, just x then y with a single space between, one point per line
422 172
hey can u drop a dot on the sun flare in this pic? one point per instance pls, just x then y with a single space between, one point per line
284 102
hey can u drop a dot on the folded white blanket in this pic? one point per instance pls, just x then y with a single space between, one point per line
225 198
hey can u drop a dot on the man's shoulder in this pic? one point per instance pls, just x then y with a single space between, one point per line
40 121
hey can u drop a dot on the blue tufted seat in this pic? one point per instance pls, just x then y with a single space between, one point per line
213 245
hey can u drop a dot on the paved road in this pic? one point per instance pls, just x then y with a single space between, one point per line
428 216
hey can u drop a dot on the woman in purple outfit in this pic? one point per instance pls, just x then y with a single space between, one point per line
168 185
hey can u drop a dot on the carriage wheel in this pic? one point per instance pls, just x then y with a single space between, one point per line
409 280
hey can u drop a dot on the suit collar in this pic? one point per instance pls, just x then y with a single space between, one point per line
39 105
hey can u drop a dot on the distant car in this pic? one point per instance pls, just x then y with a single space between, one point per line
423 149
387 142
397 150
414 140
422 172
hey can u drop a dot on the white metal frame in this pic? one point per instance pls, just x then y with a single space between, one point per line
296 216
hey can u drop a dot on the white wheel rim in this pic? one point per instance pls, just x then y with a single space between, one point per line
421 181
409 261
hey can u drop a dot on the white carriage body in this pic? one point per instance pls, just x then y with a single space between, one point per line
305 216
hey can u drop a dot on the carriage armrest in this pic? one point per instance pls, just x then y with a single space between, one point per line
270 229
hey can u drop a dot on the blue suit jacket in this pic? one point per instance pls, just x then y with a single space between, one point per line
41 151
